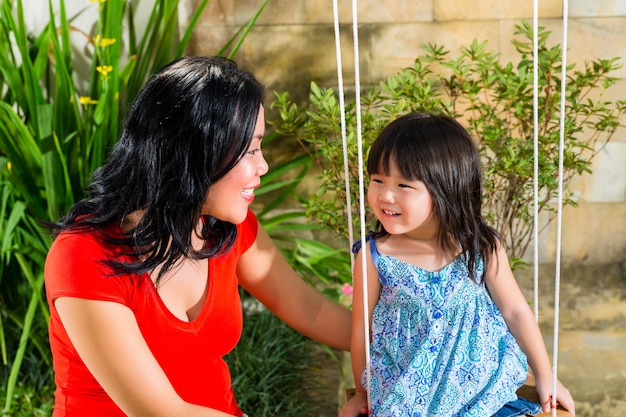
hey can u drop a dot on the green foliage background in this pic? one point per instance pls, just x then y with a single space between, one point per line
494 100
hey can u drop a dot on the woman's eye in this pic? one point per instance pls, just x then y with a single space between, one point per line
254 151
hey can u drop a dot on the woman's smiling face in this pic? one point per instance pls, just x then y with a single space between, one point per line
228 199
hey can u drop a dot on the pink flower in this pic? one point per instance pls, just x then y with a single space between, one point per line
347 289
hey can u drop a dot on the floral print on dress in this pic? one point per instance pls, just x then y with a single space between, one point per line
439 345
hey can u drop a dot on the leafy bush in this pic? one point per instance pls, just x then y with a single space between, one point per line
495 102
270 367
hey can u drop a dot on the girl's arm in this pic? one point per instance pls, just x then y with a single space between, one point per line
108 340
521 322
264 273
358 404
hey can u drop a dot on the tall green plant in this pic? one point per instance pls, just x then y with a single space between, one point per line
495 101
54 133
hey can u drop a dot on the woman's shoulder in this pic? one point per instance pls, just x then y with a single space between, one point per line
85 240
76 264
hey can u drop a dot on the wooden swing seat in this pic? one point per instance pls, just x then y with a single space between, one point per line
527 391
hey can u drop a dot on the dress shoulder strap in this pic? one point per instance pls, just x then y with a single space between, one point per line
373 250
356 247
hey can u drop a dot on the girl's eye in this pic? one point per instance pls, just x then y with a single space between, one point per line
376 180
404 186
254 151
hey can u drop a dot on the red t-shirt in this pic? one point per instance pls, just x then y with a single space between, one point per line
190 353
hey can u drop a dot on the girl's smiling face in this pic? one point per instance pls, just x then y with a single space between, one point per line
403 206
228 199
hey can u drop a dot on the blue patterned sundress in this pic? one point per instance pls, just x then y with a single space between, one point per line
439 345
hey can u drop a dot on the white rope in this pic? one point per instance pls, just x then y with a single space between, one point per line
342 106
357 92
357 83
536 158
557 276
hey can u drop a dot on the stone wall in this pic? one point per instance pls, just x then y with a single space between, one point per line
293 44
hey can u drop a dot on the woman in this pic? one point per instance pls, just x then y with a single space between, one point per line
142 278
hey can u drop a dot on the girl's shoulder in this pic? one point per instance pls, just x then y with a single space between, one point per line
356 246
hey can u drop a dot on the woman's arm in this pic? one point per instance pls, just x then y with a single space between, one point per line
521 322
108 340
264 273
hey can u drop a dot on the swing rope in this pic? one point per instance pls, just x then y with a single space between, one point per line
557 275
357 92
535 182
342 107
536 158
357 82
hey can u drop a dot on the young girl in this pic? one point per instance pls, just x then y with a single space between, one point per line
450 329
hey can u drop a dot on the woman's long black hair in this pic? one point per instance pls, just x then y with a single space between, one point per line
438 151
187 128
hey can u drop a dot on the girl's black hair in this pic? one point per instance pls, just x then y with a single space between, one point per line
438 151
189 126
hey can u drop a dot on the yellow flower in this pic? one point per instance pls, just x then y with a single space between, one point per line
106 42
104 70
9 165
97 1
86 100
103 42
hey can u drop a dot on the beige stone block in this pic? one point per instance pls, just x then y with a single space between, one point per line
445 10
290 57
392 11
590 39
607 183
396 46
587 40
592 233
208 39
368 11
289 12
221 13
587 8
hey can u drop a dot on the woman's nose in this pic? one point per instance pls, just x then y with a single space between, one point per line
263 167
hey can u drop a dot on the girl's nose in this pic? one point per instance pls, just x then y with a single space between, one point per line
386 196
